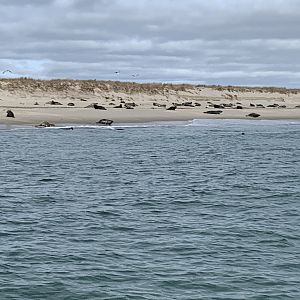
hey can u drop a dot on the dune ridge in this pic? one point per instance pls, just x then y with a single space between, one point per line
73 101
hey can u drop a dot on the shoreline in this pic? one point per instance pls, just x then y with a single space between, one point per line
190 122
73 102
32 117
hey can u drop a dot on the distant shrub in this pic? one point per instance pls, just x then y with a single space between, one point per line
90 86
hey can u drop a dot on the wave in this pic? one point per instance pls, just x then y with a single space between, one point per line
193 123
234 122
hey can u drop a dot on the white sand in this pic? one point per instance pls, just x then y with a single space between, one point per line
21 95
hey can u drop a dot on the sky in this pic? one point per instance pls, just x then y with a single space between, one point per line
229 42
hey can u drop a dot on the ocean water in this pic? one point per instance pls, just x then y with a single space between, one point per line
196 210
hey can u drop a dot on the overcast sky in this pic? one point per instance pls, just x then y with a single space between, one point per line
238 42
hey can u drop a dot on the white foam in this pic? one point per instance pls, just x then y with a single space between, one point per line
193 123
234 122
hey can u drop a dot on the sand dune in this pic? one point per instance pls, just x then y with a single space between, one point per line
65 101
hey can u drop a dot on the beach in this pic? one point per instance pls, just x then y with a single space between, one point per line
88 101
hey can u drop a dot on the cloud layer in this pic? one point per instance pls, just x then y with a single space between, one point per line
241 42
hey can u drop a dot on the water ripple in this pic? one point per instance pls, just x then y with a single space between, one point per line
188 211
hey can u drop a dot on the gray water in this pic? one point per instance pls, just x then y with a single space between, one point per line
179 211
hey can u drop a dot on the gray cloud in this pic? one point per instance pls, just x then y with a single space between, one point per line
252 42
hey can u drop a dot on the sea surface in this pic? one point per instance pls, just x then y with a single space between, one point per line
195 210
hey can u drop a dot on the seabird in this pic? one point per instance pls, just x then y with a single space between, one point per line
6 71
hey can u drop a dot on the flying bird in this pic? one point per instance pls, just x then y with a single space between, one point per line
135 75
117 72
6 71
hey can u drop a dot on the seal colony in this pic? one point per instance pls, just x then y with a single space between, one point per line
35 102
